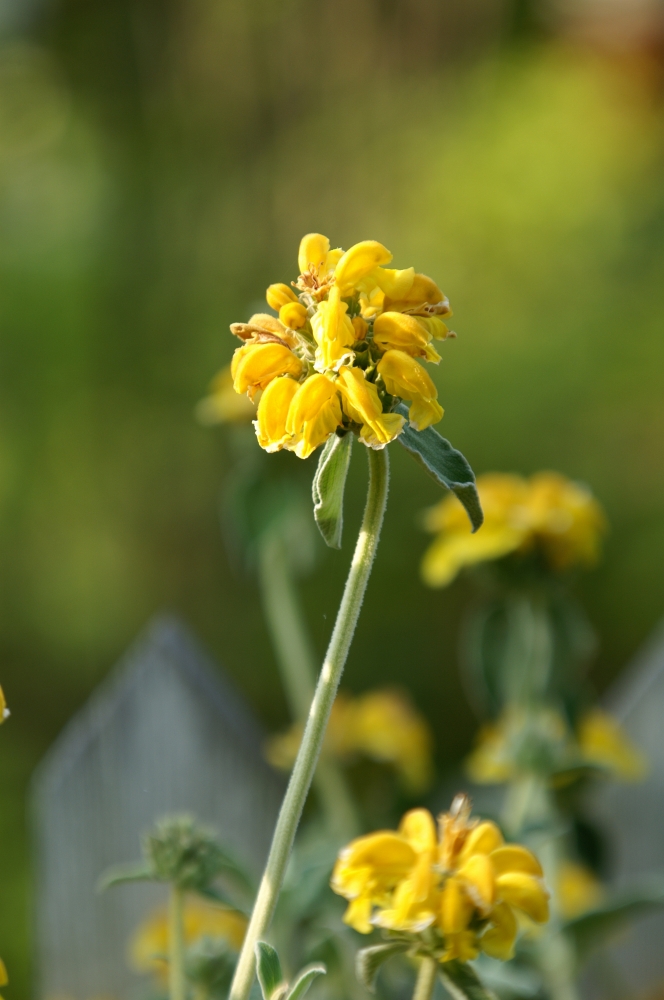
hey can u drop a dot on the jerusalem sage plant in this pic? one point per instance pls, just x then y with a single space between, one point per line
338 363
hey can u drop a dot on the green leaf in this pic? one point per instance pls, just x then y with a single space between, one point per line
462 982
621 907
328 488
268 970
304 979
444 464
369 961
139 872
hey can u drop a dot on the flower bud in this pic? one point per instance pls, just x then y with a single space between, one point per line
362 404
404 377
293 315
357 262
313 252
278 295
255 365
395 330
360 326
273 412
314 414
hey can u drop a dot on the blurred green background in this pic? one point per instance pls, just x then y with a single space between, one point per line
159 162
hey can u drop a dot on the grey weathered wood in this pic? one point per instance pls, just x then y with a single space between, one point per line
633 817
165 733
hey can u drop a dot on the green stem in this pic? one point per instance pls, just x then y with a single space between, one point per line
319 713
177 989
426 979
296 661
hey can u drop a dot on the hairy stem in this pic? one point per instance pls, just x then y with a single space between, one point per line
426 979
297 665
177 989
319 713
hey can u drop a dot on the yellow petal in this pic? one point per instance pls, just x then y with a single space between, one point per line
450 553
4 978
312 253
4 713
577 890
278 295
255 365
363 405
405 377
515 858
479 875
273 412
604 742
333 331
424 412
392 282
524 892
423 292
293 315
498 940
402 332
435 326
314 414
463 946
358 915
483 839
358 261
456 909
419 829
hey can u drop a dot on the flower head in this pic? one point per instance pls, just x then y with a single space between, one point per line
347 332
382 725
548 515
456 890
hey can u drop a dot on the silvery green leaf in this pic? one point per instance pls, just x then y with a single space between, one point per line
462 982
268 970
369 961
444 464
592 929
328 488
125 873
304 980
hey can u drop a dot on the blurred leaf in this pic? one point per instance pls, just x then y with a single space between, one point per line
139 872
591 929
462 982
444 464
508 979
328 488
369 961
304 980
268 969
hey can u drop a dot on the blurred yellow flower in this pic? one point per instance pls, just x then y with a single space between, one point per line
547 514
335 322
381 725
4 711
148 948
538 736
577 890
604 742
462 886
4 978
224 405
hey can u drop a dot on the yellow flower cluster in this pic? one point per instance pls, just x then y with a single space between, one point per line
149 946
343 350
382 725
548 514
509 746
455 894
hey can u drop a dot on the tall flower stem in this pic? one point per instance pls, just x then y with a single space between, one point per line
297 665
177 988
319 713
426 979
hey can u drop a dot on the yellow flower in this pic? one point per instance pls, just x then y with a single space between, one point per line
279 295
362 405
314 414
4 711
272 413
404 333
461 887
548 514
293 315
357 262
577 890
381 725
334 333
340 319
148 949
404 377
602 741
4 978
224 405
255 365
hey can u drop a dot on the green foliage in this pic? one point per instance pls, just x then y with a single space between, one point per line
462 982
369 960
328 486
271 978
444 464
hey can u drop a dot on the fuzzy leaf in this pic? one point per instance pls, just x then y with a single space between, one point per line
328 488
304 980
369 961
268 969
595 927
462 982
444 464
125 873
